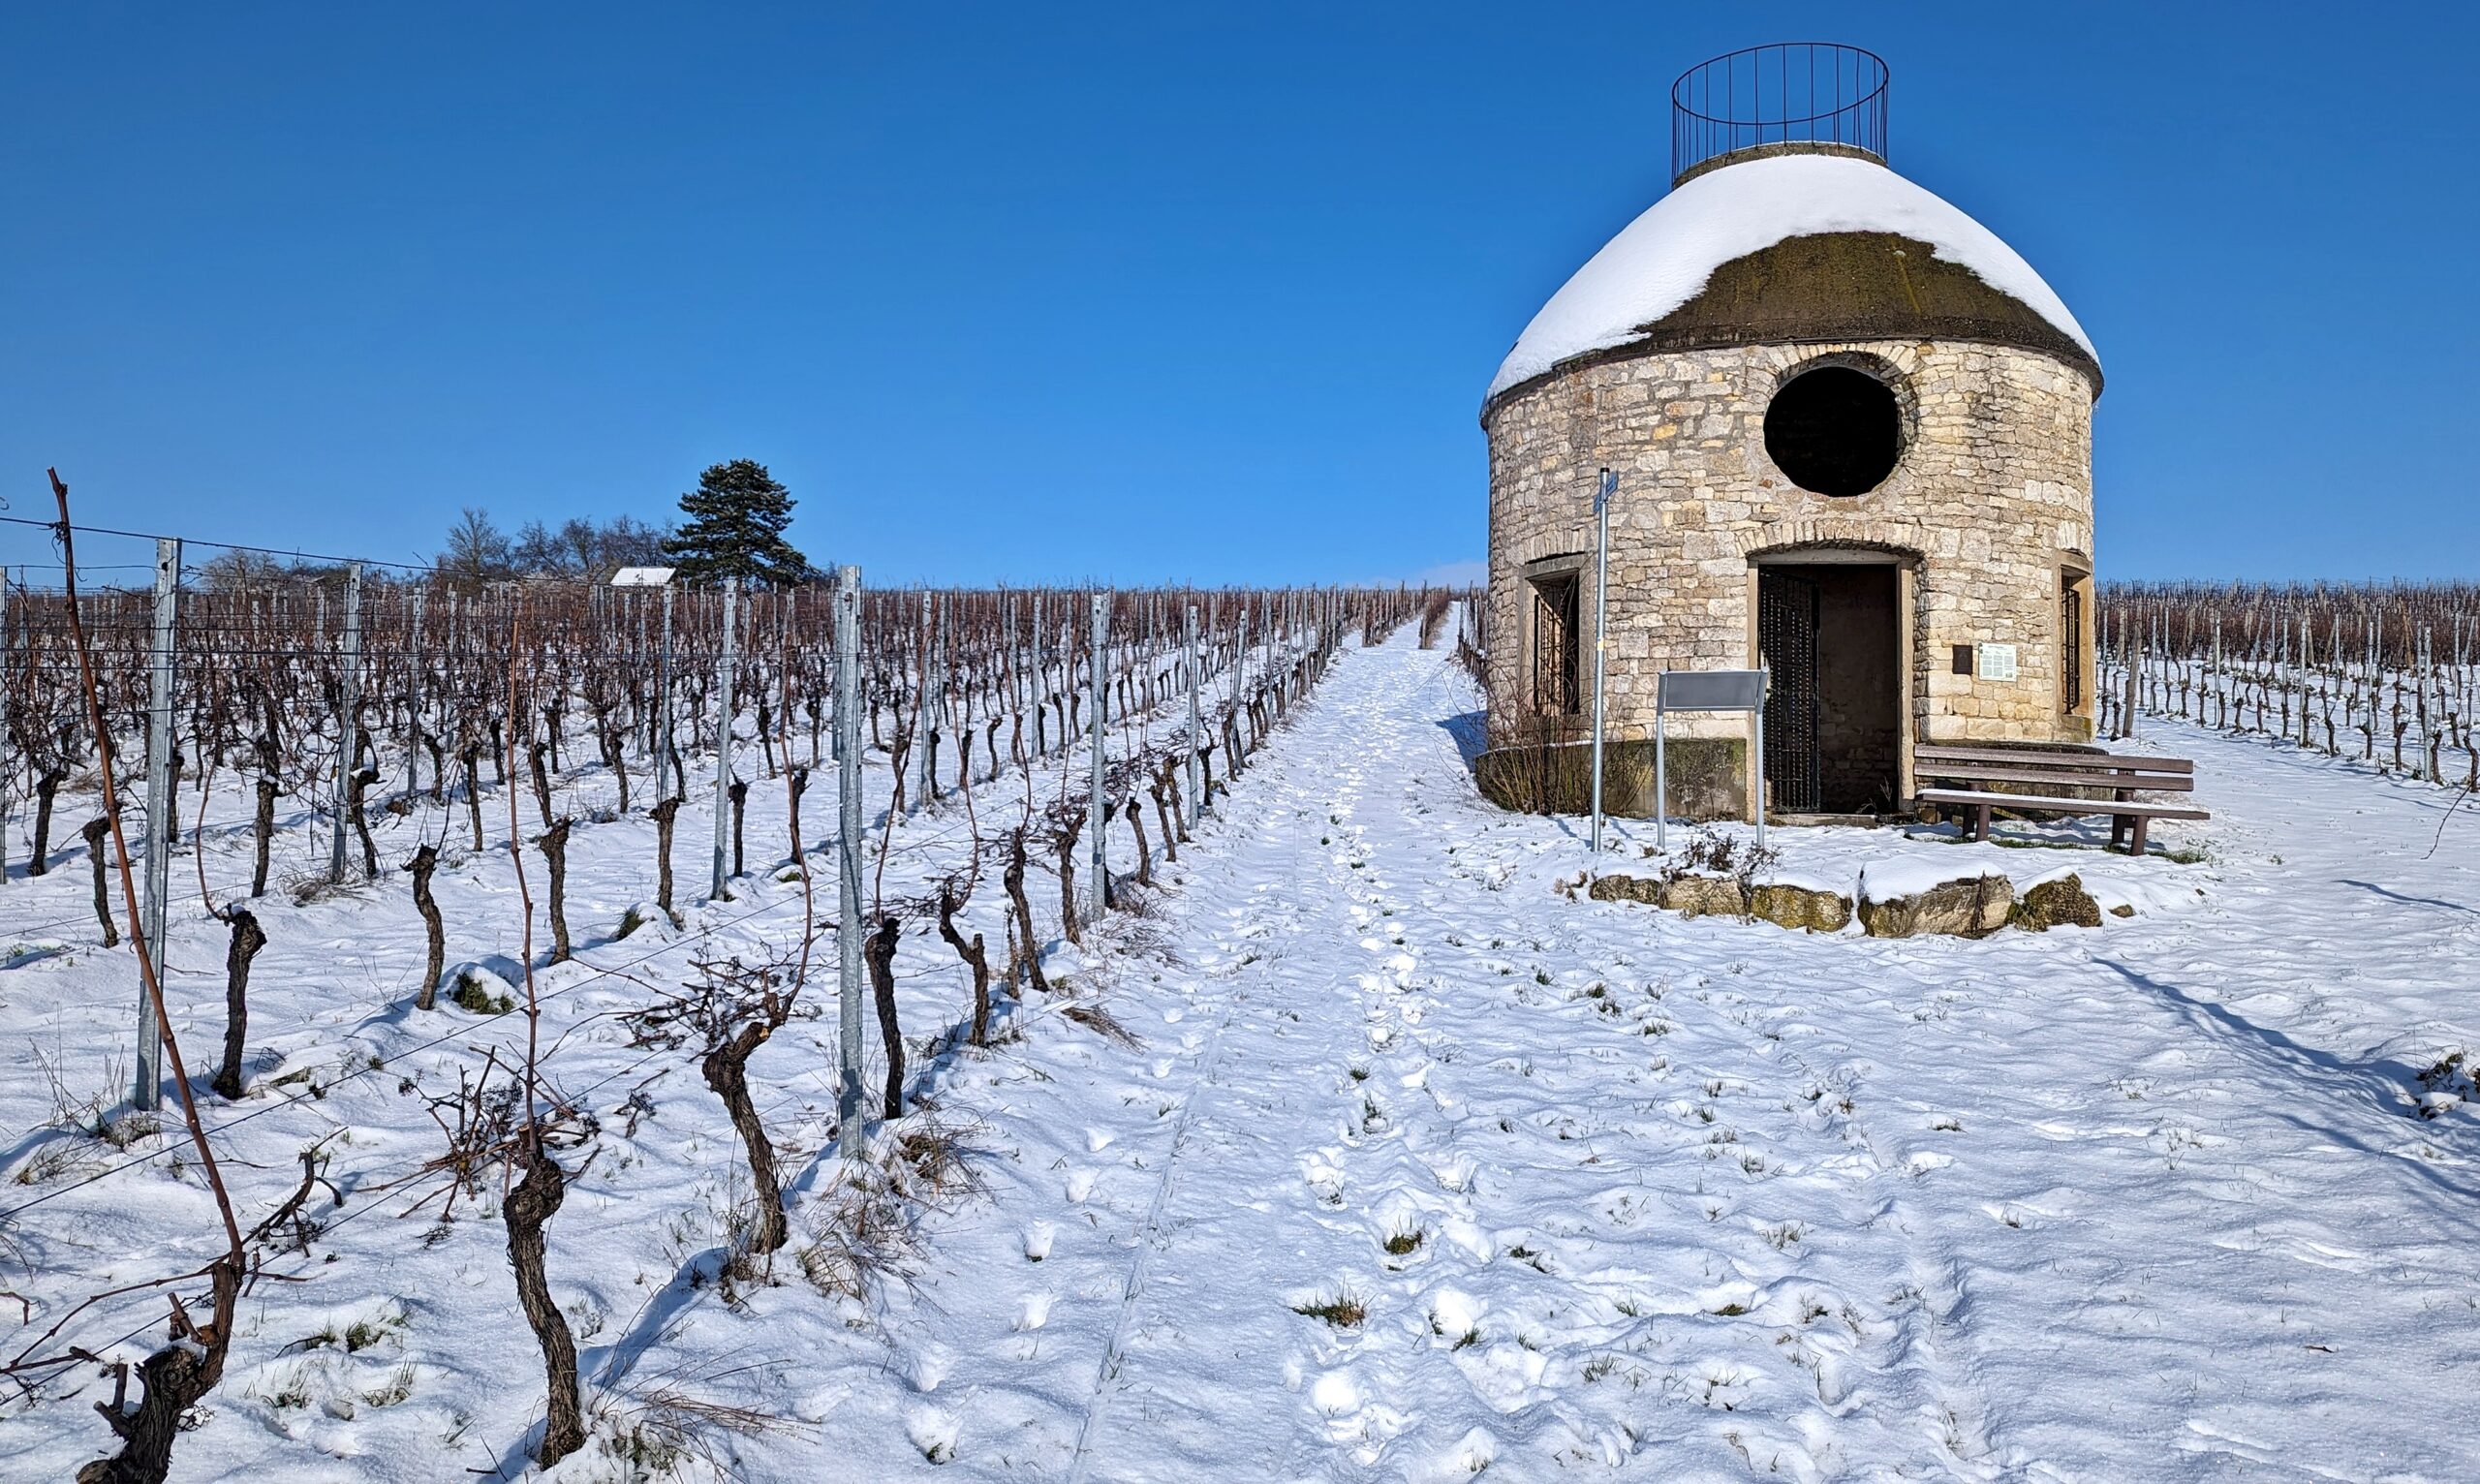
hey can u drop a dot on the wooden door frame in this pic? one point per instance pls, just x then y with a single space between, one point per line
1909 660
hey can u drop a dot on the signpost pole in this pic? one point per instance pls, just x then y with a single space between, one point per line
662 705
1601 644
349 713
848 861
1661 783
727 669
159 808
1195 797
1756 746
1097 811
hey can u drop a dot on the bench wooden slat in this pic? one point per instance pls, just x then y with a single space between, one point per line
2167 782
2061 805
2049 758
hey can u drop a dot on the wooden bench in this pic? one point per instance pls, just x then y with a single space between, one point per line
2050 772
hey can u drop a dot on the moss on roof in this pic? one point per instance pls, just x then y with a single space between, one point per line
1836 287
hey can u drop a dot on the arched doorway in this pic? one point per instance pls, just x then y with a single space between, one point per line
1829 626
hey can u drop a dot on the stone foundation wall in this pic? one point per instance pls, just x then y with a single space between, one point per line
1991 498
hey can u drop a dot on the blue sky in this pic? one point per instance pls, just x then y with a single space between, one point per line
1149 293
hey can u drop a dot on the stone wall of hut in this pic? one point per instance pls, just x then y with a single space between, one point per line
1990 505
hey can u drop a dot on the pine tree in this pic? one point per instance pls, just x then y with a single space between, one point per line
733 527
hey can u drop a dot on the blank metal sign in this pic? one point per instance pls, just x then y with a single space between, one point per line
1712 690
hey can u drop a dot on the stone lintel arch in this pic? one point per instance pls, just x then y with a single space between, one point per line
1558 542
1903 540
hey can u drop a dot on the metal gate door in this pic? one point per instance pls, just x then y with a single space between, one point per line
1787 634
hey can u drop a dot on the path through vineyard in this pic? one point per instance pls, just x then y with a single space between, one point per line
1706 1198
1407 1166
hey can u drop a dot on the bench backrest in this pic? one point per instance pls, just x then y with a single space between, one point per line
2049 765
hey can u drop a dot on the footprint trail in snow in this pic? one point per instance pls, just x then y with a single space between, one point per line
1423 1171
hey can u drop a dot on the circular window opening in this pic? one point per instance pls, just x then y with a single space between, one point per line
1835 430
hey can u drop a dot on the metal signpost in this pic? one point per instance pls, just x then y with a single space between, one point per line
1195 799
347 714
726 666
662 704
848 860
6 771
1707 691
159 807
414 713
1097 812
1042 681
1601 494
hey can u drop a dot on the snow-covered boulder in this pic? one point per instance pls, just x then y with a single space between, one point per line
1794 905
1627 889
1689 895
1705 896
1898 903
2056 901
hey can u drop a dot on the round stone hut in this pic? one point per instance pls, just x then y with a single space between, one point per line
1852 431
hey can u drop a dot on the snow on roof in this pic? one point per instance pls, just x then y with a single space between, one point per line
1662 258
642 576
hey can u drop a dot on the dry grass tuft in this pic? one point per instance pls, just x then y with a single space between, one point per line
868 1225
866 1235
1343 1311
935 1163
1102 1023
659 1430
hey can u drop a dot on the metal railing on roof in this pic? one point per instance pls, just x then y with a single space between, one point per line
1783 93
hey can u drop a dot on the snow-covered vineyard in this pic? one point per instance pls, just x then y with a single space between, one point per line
1359 1143
2386 674
391 787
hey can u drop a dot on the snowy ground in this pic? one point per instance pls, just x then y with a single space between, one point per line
1616 1193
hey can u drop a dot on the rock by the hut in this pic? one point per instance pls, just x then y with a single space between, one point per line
1705 896
1691 896
1627 889
1969 906
2060 902
1817 909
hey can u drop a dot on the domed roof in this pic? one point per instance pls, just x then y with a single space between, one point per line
1789 247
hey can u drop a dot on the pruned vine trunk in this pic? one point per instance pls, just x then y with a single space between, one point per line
1162 813
1014 881
534 754
425 862
46 787
1065 842
357 788
472 757
262 830
726 1072
879 953
662 815
530 1206
555 856
248 937
1144 851
95 831
798 782
170 1382
739 793
975 959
